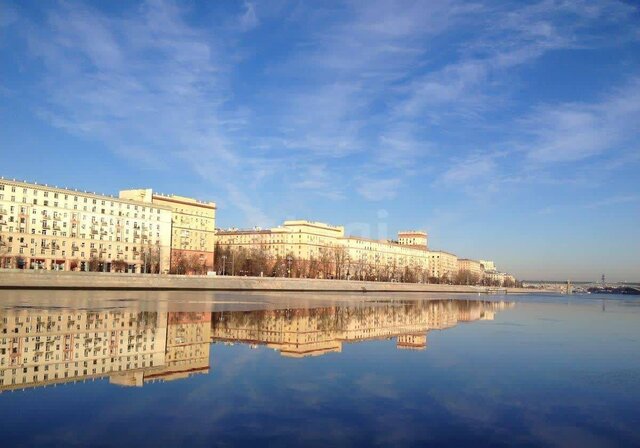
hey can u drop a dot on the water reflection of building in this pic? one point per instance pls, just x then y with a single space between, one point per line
47 347
131 348
188 341
412 341
316 331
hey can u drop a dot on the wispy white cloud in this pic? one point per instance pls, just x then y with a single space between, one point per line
377 189
149 86
249 18
317 179
468 170
576 131
614 200
325 121
476 82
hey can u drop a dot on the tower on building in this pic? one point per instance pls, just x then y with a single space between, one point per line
415 238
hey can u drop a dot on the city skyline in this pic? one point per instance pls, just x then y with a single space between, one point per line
505 131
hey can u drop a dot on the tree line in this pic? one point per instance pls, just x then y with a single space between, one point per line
331 263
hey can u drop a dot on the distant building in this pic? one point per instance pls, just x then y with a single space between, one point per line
473 267
413 238
488 265
412 341
339 255
442 264
495 277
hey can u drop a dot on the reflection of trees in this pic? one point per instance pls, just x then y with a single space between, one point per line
147 319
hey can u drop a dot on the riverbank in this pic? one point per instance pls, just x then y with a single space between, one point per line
22 279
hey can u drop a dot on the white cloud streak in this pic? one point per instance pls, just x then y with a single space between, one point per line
576 131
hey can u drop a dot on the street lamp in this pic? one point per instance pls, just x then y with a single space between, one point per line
224 264
233 263
289 260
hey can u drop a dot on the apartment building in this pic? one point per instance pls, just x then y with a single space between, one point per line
415 238
473 267
193 225
46 227
442 264
302 239
349 256
487 265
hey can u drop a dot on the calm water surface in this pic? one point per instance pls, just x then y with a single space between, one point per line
198 369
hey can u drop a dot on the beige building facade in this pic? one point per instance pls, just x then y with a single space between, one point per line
45 227
442 265
495 277
416 238
473 267
488 265
349 256
193 226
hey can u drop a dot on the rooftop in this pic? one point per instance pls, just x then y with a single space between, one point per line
65 190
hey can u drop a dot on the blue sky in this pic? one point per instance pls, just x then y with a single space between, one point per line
507 130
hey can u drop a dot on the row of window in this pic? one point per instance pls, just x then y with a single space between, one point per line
74 198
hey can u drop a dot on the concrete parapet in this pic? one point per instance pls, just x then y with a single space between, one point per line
23 279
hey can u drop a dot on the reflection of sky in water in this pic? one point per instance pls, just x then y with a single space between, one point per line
541 373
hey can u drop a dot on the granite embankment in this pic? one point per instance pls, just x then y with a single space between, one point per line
18 279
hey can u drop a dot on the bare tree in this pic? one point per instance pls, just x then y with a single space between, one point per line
393 270
4 250
260 264
325 262
313 268
341 260
179 263
119 266
94 264
151 258
508 282
279 268
196 264
222 256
